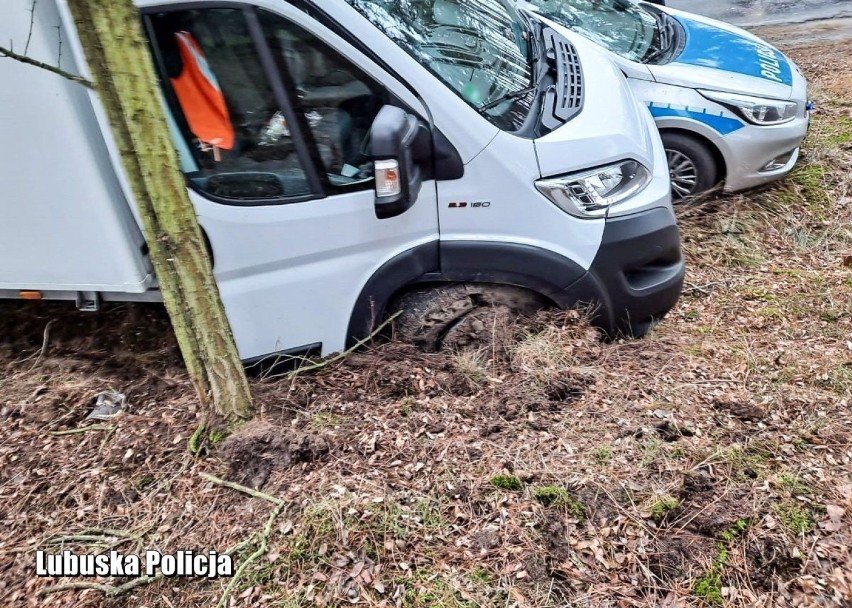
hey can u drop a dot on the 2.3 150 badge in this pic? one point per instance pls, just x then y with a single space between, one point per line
469 205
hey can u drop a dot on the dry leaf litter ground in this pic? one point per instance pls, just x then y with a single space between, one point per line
708 464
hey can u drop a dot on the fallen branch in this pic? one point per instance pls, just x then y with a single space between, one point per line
239 546
111 532
79 538
702 288
32 25
4 52
244 489
84 429
39 353
93 535
46 337
263 537
107 590
338 356
261 551
99 536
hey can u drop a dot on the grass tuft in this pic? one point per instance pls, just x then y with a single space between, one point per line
470 366
796 518
793 485
663 507
732 533
325 420
555 496
602 455
708 587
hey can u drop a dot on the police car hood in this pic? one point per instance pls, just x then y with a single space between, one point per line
723 57
612 124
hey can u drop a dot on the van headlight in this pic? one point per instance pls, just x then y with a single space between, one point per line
591 193
756 110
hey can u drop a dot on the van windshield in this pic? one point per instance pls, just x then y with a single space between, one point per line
620 26
481 49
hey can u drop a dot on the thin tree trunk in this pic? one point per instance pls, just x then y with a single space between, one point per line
123 72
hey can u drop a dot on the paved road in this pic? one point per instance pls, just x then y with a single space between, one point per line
766 12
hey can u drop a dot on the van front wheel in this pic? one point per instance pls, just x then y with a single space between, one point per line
692 167
460 315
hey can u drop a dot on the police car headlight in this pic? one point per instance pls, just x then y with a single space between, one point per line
591 193
756 110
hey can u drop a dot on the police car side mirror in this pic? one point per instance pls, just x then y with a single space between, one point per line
398 178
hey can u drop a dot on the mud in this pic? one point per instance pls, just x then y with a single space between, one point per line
261 447
397 371
676 553
741 406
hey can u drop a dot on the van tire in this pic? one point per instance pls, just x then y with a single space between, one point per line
692 166
460 315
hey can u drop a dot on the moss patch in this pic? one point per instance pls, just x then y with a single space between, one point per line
510 483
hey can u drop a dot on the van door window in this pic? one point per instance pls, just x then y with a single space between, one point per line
224 106
337 100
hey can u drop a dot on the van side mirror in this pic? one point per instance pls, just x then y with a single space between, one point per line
398 178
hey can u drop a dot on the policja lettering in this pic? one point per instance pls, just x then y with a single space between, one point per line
186 563
769 63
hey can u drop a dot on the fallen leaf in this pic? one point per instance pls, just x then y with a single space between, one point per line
835 516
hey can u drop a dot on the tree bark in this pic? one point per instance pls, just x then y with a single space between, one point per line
124 77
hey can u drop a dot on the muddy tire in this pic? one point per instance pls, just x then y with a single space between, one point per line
692 167
460 315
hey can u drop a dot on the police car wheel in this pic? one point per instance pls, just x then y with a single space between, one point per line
458 316
692 167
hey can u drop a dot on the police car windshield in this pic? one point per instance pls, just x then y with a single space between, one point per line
621 26
481 49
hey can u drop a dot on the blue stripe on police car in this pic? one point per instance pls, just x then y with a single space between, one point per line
719 122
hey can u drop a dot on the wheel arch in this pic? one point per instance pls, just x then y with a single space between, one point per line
406 268
538 270
704 140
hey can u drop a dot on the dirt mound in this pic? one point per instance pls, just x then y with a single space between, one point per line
261 447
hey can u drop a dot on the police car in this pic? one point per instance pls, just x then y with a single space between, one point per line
730 107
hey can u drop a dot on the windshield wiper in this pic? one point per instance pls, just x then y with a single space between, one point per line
507 97
666 34
535 53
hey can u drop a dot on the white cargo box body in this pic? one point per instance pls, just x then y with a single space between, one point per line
65 224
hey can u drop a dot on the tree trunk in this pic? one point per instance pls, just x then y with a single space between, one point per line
124 77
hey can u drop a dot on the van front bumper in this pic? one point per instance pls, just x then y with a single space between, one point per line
637 275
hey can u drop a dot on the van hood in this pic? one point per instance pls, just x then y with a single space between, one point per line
718 56
612 125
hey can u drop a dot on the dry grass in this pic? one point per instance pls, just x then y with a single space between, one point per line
708 464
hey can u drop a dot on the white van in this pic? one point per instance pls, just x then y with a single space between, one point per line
342 154
730 107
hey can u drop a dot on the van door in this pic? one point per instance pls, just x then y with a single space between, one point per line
271 113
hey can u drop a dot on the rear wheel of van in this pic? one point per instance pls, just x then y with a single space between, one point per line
692 167
461 315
